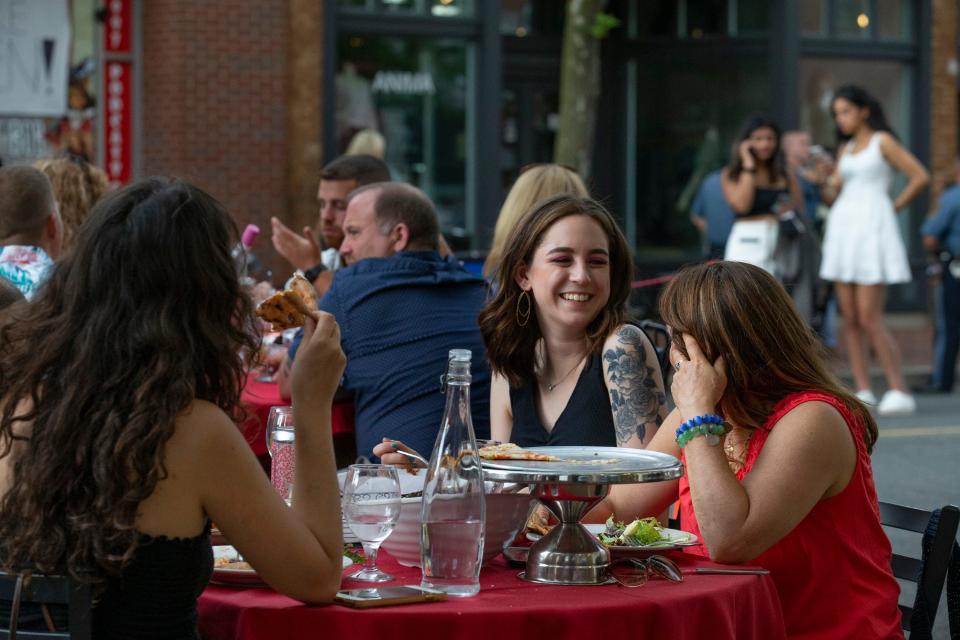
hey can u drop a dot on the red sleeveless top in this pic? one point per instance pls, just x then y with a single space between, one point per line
832 570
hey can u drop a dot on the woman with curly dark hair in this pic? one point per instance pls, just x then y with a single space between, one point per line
117 448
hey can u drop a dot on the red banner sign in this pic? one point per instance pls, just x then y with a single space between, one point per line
119 26
118 115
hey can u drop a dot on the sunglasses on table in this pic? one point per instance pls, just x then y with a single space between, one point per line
634 572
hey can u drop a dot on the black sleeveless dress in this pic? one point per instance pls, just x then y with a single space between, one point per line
154 599
586 421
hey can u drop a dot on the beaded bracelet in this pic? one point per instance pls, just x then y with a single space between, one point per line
710 425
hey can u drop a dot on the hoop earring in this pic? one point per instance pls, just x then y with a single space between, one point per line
523 316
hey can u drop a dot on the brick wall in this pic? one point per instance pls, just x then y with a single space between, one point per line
943 101
215 102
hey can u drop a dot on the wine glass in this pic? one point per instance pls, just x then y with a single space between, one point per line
371 506
280 446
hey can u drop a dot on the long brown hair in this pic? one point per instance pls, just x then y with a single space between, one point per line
741 312
142 318
511 349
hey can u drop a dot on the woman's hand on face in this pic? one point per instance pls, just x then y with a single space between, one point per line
387 452
746 154
698 384
320 360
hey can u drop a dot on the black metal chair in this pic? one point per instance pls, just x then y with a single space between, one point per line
929 572
18 589
660 337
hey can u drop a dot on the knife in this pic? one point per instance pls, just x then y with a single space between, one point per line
739 572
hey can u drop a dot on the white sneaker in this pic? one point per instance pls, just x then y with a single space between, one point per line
896 403
866 397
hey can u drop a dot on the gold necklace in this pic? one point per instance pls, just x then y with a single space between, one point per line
551 387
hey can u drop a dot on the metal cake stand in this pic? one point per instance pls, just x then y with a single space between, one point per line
569 554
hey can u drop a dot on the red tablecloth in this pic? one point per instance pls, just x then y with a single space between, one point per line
259 397
507 608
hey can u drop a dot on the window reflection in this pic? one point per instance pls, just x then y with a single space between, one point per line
852 19
414 92
813 17
685 130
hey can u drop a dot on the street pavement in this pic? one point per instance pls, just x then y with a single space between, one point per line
915 460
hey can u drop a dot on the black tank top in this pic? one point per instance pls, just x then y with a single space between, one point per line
156 597
586 421
764 198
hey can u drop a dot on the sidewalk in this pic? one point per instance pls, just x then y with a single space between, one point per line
914 335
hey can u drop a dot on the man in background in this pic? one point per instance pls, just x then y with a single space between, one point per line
941 237
337 180
401 307
31 232
711 214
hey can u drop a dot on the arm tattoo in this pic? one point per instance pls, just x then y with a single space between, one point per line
635 399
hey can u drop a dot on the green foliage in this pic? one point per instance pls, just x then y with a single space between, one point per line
602 25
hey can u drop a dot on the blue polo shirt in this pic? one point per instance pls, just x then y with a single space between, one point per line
945 224
710 205
399 317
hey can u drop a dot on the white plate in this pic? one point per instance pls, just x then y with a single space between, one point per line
676 540
225 574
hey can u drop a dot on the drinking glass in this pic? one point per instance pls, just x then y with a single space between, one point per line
280 446
371 506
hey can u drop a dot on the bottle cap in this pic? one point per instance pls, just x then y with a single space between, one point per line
249 236
460 355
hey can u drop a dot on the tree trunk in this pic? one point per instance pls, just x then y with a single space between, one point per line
579 86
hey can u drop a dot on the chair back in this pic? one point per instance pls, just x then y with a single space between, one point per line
930 571
660 338
47 590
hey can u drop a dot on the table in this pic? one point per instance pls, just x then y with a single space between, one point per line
507 608
259 397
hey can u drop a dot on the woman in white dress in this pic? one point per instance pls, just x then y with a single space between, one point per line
862 248
758 187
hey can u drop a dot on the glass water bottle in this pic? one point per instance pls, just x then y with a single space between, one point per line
454 511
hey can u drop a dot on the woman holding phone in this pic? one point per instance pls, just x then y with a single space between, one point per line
756 183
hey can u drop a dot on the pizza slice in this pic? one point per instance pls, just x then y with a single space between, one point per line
510 451
302 286
287 309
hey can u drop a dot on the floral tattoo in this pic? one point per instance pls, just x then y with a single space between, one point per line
635 399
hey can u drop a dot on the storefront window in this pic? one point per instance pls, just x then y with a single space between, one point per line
48 92
435 8
686 124
524 18
851 19
889 82
813 17
416 93
894 20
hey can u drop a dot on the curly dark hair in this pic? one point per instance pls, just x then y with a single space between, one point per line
143 317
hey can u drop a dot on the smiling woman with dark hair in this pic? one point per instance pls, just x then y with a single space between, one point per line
117 448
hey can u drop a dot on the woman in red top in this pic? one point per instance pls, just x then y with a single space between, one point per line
788 483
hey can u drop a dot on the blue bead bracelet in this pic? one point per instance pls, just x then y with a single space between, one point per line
709 424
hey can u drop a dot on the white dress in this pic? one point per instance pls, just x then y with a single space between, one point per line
862 243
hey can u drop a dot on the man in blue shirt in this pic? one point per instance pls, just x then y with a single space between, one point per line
401 308
711 214
941 236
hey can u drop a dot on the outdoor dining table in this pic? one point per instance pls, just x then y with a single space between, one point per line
259 396
508 608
